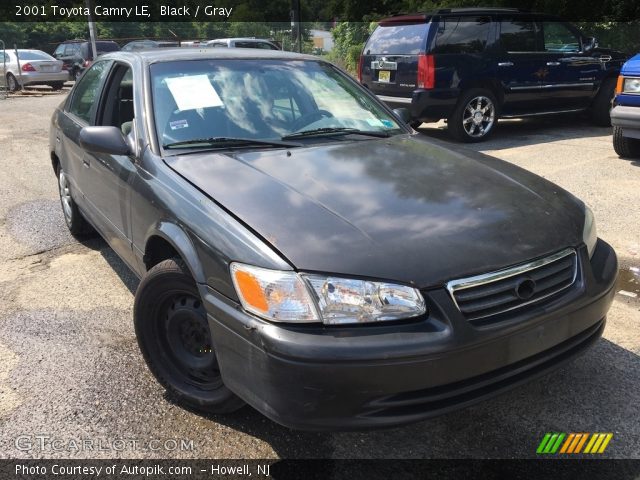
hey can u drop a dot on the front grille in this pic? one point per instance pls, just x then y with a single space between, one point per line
487 296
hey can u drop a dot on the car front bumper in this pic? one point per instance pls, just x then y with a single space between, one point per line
371 376
627 118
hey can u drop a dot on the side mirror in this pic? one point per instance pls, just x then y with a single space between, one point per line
403 114
590 43
107 140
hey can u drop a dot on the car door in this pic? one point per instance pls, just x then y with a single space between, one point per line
572 73
79 112
108 176
521 64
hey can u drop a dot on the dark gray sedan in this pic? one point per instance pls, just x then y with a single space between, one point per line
305 252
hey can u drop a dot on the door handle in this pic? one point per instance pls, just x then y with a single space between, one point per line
553 64
505 64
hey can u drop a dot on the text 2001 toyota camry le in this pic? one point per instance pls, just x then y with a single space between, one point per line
303 251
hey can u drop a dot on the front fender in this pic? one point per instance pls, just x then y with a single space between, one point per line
180 241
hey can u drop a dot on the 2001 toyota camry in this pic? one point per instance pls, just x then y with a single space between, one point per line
303 251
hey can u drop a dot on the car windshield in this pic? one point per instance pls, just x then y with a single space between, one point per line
258 99
34 55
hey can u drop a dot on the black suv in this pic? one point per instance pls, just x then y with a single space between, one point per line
77 55
473 66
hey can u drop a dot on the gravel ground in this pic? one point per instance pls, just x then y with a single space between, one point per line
70 368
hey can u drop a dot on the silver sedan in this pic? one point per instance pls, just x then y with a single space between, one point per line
31 67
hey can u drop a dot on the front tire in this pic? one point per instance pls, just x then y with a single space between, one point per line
474 117
602 103
625 147
76 223
175 340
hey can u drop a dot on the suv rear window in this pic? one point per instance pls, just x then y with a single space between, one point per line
398 39
462 35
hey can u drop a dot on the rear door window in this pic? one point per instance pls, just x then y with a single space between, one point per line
398 40
462 35
519 35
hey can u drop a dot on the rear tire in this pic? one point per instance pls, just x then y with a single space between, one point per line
602 103
77 224
625 147
57 85
474 117
12 83
175 340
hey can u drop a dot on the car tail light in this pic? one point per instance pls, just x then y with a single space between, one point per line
87 63
426 71
360 60
619 84
27 67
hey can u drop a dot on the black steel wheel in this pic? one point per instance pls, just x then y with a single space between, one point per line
175 340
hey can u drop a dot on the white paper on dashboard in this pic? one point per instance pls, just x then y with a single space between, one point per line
194 91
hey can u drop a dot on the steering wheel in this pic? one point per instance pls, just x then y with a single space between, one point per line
308 118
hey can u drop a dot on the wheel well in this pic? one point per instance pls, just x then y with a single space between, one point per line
55 162
492 85
158 250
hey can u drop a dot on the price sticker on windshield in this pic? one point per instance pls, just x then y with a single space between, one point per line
384 76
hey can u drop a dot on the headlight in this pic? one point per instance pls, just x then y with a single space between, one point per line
631 85
589 234
292 297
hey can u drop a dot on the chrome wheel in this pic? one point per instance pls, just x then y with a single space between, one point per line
65 198
478 117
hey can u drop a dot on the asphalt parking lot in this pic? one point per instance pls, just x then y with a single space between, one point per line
70 368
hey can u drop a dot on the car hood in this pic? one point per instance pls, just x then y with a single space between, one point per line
401 209
632 67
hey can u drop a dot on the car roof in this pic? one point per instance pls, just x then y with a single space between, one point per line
425 16
247 39
176 54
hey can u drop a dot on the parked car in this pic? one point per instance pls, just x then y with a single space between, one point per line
148 44
305 252
32 67
625 115
77 55
242 43
474 66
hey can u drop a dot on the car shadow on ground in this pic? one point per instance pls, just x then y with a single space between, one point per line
511 133
597 392
94 241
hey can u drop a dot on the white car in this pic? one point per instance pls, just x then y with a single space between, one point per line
34 67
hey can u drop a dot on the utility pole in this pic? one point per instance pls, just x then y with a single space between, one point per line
92 30
296 23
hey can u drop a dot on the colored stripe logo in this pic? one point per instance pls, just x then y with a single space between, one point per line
556 442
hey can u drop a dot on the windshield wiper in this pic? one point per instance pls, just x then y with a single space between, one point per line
329 131
224 142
